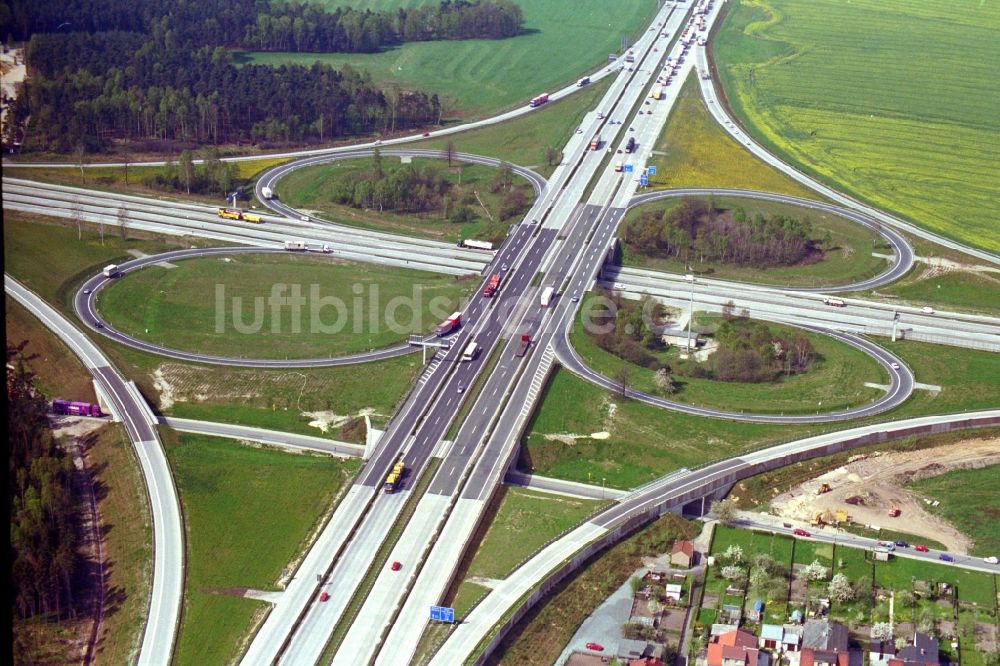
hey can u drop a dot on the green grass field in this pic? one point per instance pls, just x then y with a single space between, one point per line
247 513
525 521
308 188
524 140
963 290
971 586
970 501
848 259
834 382
346 307
560 42
693 151
891 100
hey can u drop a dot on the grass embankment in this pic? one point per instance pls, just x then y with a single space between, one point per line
959 290
906 134
248 513
127 545
835 380
970 501
58 372
309 188
847 259
524 521
539 637
50 259
524 140
693 151
139 178
345 306
643 442
560 41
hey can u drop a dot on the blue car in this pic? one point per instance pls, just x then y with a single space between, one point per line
945 557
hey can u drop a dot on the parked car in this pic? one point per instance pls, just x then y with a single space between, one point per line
902 544
396 566
991 559
945 557
920 548
798 531
927 310
324 596
597 647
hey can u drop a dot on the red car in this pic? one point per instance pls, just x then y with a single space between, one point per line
800 532
597 647
920 548
324 596
426 134
396 566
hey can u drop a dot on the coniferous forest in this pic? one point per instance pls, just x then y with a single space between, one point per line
164 70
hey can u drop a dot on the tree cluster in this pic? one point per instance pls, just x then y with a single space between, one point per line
161 70
750 352
42 528
212 176
265 25
696 231
407 189
627 330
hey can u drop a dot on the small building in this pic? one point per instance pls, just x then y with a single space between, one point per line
770 636
756 611
880 652
825 643
629 649
682 554
791 637
731 613
673 592
881 553
719 629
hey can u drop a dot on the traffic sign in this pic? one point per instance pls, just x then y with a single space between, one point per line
651 170
442 614
643 180
628 168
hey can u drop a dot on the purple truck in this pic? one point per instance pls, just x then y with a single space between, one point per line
75 408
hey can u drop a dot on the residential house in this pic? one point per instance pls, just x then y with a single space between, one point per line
629 649
682 554
791 637
736 648
825 643
922 652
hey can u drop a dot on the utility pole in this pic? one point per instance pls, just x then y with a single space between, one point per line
690 278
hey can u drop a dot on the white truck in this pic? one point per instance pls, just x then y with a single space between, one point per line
546 297
267 192
296 246
111 270
471 352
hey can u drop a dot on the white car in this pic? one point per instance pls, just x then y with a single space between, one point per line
991 560
927 310
894 366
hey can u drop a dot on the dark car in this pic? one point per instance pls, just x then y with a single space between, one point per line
945 557
98 324
426 134
902 544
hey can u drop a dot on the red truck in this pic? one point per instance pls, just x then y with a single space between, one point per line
538 101
522 346
449 324
492 285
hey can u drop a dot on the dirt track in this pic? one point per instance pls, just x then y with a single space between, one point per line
878 480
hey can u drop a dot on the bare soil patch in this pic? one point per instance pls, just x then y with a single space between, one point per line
876 482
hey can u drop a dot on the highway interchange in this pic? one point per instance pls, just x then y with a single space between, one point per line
565 236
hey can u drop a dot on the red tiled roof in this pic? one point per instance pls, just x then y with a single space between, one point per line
683 547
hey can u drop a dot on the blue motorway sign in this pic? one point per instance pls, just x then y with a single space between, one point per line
628 168
651 170
442 614
643 180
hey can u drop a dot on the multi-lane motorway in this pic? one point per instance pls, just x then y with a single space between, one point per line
561 244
